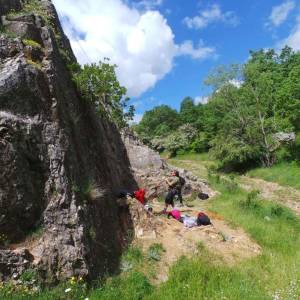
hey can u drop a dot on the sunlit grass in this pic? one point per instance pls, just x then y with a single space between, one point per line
287 174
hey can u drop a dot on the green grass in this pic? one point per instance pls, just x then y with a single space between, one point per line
286 174
194 157
32 6
275 228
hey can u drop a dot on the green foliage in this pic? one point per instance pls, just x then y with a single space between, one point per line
131 286
180 139
159 121
33 6
99 85
29 276
251 200
248 106
6 32
286 174
36 65
131 258
32 44
155 252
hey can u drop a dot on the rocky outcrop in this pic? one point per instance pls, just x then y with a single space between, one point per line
61 166
151 171
7 6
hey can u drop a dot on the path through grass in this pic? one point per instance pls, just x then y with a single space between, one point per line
287 174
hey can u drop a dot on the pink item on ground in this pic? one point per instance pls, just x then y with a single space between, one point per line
175 214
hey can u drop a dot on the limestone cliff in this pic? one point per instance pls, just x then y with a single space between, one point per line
61 166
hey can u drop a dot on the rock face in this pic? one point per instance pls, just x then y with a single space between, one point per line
6 6
61 166
151 171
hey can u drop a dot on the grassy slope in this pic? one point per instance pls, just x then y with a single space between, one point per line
276 272
287 174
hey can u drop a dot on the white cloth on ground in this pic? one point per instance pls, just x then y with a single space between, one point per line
189 221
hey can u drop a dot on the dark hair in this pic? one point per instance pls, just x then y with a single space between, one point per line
176 173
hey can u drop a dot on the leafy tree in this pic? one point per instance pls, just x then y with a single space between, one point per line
180 139
189 113
98 84
239 123
160 121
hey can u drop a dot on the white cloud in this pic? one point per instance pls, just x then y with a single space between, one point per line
200 52
293 40
140 43
201 99
210 15
147 4
280 13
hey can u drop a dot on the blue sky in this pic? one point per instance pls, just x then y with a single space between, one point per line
166 48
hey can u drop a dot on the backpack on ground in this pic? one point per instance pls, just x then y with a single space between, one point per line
203 219
203 196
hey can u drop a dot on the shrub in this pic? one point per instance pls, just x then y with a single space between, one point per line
155 251
32 44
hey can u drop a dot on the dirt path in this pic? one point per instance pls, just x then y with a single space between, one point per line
273 191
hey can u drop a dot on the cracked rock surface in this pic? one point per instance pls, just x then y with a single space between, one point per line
61 165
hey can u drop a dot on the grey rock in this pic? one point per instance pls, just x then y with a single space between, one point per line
151 171
284 137
61 165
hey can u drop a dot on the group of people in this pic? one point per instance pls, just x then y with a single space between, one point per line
175 185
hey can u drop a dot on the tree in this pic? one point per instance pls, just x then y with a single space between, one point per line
160 121
180 139
249 113
188 111
99 85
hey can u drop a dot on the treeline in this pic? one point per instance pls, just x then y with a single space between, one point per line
252 116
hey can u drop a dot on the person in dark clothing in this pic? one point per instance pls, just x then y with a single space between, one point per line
179 187
175 184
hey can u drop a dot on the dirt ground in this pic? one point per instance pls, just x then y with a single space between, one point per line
230 244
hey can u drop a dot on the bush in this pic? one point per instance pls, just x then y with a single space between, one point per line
155 251
32 44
